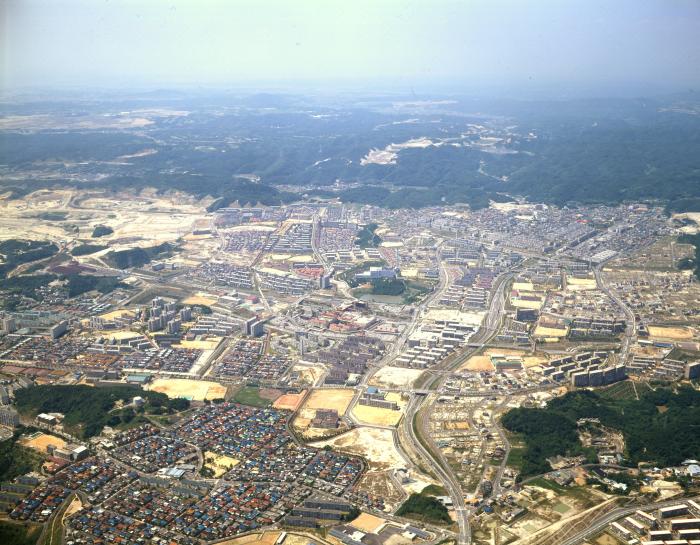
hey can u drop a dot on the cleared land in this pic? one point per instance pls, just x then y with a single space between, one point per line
376 416
477 363
194 390
75 506
607 539
395 377
265 538
542 331
373 444
452 425
289 402
380 485
482 362
200 299
40 441
466 318
368 523
121 334
580 284
379 416
137 219
535 304
116 314
675 333
330 398
208 344
523 286
309 374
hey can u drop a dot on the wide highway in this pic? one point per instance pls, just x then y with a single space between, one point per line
441 468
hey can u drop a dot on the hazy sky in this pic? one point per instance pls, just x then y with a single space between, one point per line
238 42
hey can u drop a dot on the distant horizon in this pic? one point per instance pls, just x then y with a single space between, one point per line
542 48
525 91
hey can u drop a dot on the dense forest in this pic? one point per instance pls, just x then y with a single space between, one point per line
691 263
87 410
388 286
101 231
25 285
367 238
568 151
87 249
137 257
424 508
16 533
79 284
15 252
15 459
662 427
612 161
349 275
683 204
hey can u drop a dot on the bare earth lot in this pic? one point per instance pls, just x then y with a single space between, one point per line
194 390
395 377
40 441
375 445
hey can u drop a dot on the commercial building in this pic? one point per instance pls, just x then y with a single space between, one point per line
59 329
692 371
71 453
375 273
9 325
9 417
673 511
254 327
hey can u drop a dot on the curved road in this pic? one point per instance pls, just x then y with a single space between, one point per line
441 468
612 516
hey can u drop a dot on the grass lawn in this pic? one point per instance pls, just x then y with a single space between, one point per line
424 508
550 485
517 450
249 395
515 457
434 490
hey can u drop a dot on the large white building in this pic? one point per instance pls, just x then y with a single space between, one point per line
375 273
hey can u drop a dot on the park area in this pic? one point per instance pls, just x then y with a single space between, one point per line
256 397
219 464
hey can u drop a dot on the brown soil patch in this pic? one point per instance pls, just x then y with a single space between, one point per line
368 523
270 393
289 402
41 441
